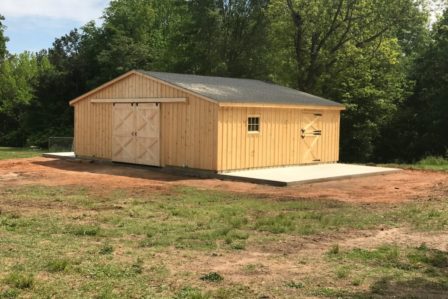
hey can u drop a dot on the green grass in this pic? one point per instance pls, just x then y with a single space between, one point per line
398 272
73 242
433 163
429 163
57 265
18 153
212 277
19 281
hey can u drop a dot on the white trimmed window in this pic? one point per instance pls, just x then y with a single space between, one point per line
253 124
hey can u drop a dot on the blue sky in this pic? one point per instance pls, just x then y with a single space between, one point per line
33 25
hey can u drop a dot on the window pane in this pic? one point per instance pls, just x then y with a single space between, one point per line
253 124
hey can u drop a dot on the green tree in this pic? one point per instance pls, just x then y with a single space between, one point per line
134 35
371 86
355 52
67 73
223 37
131 36
19 75
322 30
420 127
3 40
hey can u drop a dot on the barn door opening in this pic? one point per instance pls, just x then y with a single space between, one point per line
311 135
136 133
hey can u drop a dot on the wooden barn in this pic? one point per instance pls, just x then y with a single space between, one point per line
208 123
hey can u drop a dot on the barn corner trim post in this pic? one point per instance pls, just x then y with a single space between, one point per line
200 122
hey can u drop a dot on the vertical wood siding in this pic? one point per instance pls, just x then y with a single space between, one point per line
188 130
279 141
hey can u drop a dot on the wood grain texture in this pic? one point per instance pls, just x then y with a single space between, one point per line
140 100
202 134
279 142
123 127
188 130
147 134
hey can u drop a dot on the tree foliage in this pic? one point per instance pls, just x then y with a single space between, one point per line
349 51
419 129
222 37
3 40
19 75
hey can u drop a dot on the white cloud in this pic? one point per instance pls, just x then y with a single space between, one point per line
77 10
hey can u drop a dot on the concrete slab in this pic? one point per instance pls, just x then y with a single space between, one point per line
284 176
276 176
64 156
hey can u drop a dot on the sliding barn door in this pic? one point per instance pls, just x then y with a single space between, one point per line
136 133
148 134
311 135
123 141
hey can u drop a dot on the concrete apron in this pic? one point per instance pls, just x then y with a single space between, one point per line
305 174
275 176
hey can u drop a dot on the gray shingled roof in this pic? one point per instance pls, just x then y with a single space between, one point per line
241 90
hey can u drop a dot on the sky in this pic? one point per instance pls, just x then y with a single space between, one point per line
33 25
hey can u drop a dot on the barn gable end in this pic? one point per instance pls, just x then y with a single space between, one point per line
187 129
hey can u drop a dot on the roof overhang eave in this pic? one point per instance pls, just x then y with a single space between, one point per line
237 104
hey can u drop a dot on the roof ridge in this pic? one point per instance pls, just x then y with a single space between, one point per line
207 76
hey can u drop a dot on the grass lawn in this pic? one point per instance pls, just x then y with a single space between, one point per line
76 242
430 163
16 153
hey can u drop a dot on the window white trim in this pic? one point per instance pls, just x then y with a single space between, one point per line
253 124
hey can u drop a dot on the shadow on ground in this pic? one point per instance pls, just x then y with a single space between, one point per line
114 169
386 287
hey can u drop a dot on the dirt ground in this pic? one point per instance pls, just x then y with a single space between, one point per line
260 266
390 188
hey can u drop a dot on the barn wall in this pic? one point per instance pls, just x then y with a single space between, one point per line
188 130
93 130
279 140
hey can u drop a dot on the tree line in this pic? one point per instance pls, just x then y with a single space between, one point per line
381 59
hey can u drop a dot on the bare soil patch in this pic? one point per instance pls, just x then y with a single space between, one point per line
295 258
163 244
390 188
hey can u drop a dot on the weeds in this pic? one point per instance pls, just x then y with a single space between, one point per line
334 250
191 293
84 230
295 285
238 245
106 249
19 280
137 267
57 265
190 224
212 277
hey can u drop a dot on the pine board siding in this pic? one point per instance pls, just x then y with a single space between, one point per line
188 130
211 133
279 141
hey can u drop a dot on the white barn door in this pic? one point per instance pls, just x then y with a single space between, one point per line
136 133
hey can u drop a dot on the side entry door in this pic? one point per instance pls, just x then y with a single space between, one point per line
311 135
